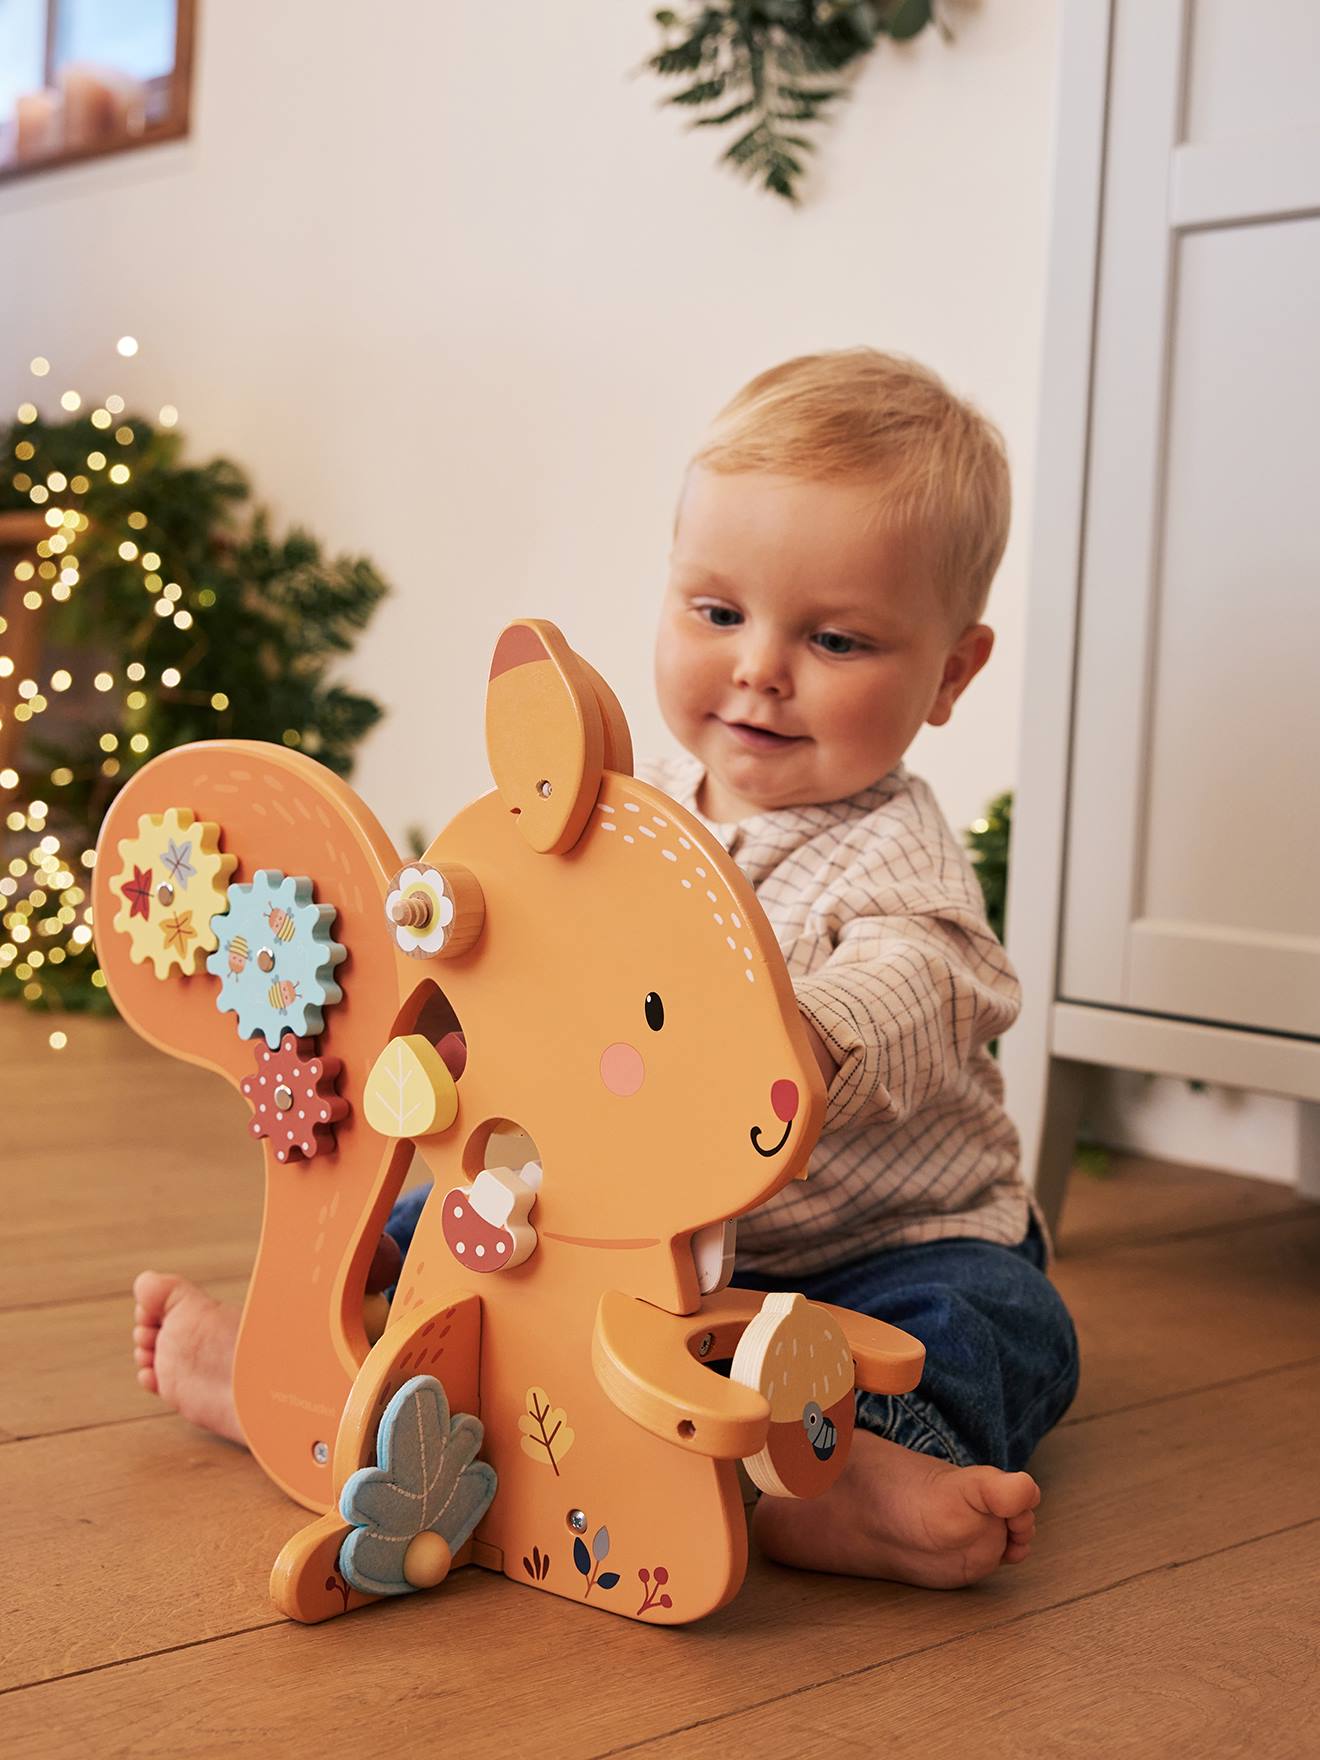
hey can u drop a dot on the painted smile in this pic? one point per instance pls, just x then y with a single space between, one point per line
756 1144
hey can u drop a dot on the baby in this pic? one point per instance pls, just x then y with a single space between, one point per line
836 537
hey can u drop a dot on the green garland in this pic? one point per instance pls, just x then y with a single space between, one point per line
988 841
199 622
771 68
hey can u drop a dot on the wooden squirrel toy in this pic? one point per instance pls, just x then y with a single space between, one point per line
541 1399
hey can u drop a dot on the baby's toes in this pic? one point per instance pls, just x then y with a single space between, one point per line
1022 1527
1006 1495
151 1292
147 1378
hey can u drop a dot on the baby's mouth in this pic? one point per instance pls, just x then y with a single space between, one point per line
760 739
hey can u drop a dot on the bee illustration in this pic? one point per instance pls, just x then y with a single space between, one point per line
238 954
281 993
821 1430
282 924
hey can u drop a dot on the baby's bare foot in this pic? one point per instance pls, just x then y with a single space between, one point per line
183 1342
906 1517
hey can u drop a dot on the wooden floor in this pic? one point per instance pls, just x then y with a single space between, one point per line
1171 1607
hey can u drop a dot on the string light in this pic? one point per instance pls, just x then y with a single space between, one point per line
47 915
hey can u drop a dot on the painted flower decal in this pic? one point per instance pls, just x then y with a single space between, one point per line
414 1510
653 1583
420 910
177 863
589 1563
138 892
178 930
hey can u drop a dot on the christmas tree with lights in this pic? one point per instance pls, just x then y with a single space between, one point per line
144 603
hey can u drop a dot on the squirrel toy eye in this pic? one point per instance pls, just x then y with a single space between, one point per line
655 1012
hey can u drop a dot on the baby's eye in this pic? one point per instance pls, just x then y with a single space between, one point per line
655 1012
832 642
721 616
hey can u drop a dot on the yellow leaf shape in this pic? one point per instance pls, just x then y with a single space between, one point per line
409 1092
546 1435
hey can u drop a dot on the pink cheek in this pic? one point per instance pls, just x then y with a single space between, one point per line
622 1069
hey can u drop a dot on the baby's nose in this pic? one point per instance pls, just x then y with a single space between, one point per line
784 1099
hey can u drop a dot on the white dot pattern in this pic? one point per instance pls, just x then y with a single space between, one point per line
607 821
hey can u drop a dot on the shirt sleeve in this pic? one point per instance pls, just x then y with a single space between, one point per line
903 1002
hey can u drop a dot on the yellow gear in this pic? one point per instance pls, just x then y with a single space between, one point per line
173 879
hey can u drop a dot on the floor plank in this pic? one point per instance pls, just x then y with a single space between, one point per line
1181 1313
1140 1200
183 1529
1176 1662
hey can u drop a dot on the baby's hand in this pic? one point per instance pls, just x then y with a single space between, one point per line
825 1058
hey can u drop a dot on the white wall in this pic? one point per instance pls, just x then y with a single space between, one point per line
460 297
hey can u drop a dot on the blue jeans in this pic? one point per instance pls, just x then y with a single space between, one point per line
1001 1352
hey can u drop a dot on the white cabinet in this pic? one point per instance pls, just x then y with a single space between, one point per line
1165 896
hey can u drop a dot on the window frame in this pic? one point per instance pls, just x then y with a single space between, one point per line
172 124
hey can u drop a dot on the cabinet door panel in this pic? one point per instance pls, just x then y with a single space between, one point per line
1193 883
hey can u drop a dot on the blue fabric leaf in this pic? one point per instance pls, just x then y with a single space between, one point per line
600 1544
582 1558
607 1579
427 1478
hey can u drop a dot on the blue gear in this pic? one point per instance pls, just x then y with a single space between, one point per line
276 960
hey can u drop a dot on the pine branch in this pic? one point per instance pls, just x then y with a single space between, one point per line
779 60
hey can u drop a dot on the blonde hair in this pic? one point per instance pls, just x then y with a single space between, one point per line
939 467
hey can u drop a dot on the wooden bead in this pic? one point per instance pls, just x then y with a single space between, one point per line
427 1560
413 912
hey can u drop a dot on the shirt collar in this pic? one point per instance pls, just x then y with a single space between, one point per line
781 825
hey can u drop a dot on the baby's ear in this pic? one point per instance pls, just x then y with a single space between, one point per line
961 664
546 734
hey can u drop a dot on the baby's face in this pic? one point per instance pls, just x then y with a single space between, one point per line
800 645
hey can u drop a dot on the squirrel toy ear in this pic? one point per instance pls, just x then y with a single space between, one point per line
618 740
546 734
